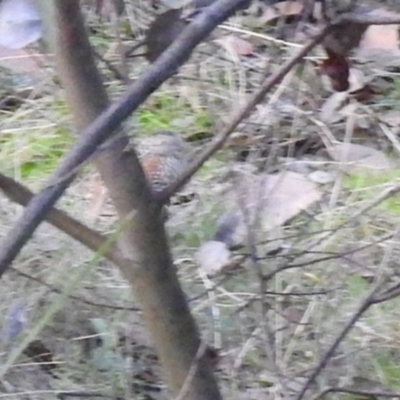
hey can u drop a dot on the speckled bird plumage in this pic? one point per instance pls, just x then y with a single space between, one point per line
163 156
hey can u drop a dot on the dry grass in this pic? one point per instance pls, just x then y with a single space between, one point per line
265 350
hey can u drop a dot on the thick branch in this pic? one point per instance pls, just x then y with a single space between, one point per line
61 220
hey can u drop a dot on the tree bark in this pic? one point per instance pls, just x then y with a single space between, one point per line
150 270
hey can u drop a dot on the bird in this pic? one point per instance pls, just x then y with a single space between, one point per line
163 156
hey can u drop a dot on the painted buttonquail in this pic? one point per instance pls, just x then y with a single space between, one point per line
163 156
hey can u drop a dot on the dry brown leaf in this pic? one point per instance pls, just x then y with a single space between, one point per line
267 200
381 37
284 8
286 195
357 157
236 46
241 46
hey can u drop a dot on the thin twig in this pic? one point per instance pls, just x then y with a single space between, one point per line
388 294
71 296
365 305
359 393
368 301
74 393
371 18
332 256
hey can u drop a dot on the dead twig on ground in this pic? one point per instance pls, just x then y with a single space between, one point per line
372 394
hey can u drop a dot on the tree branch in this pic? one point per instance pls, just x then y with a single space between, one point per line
83 234
370 394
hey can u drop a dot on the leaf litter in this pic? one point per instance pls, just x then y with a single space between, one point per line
284 196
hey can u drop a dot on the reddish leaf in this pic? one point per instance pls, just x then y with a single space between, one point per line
338 44
336 67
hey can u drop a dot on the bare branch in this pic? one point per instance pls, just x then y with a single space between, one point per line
360 393
388 294
364 306
61 220
374 17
